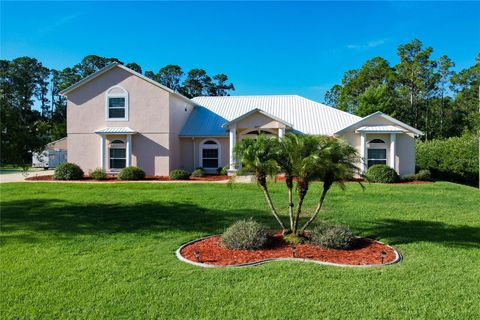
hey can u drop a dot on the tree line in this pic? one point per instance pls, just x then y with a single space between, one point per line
420 90
25 83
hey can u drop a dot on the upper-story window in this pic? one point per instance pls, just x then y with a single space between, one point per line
117 104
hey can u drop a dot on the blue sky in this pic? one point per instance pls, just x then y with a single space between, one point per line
265 48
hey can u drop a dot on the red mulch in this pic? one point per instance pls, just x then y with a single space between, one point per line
365 252
148 178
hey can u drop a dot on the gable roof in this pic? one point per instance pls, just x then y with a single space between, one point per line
303 115
256 110
109 67
385 116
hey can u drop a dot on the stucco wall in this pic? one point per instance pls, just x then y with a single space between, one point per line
257 121
191 160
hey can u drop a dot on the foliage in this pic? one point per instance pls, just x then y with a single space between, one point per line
68 171
293 239
381 173
455 159
131 173
420 90
424 175
223 171
199 172
408 178
98 174
246 235
179 174
332 236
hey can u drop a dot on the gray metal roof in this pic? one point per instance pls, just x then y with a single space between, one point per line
306 116
380 129
115 130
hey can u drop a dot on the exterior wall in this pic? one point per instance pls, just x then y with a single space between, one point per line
156 115
191 159
405 145
258 121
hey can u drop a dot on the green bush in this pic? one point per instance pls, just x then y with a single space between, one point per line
408 178
68 171
424 175
131 173
98 174
179 174
381 173
332 236
454 159
245 234
199 172
244 172
223 171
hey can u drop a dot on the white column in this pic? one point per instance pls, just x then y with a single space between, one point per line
281 133
363 151
129 150
102 152
393 144
233 137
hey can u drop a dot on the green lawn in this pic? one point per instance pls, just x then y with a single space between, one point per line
106 251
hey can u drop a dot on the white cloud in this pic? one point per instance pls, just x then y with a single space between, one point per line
368 45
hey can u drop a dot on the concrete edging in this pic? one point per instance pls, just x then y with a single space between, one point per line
398 258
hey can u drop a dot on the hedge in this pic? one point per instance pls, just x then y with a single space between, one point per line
454 159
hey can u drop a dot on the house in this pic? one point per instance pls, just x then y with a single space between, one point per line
54 154
117 117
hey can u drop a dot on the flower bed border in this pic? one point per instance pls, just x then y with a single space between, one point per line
398 258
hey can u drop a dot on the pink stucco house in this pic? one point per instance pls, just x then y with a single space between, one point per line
117 117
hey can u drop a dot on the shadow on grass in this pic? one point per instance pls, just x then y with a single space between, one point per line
410 231
66 219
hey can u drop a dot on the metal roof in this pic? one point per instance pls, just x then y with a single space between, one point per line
380 129
305 116
116 130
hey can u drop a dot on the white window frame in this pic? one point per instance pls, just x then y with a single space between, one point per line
218 146
110 158
378 146
123 94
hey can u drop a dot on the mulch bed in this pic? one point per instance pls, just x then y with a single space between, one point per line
148 178
365 252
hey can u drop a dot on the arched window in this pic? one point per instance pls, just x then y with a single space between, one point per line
116 105
377 141
117 154
210 154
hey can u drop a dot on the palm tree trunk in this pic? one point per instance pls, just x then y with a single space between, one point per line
263 185
317 210
289 182
302 192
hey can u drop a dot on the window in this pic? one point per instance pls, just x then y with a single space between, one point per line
377 156
117 104
117 153
210 154
377 141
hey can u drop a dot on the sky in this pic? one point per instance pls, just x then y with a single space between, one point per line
264 47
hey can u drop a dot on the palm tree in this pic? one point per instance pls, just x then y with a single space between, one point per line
259 156
337 163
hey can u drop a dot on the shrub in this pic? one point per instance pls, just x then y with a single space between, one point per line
293 239
245 234
199 172
408 178
98 174
454 159
332 236
179 174
223 171
423 175
381 173
131 173
68 171
244 172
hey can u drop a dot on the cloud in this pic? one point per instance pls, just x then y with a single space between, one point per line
365 46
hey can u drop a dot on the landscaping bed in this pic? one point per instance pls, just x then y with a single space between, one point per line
111 179
365 252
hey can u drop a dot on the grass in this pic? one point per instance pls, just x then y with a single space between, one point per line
106 251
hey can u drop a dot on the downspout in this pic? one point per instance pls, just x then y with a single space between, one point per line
193 145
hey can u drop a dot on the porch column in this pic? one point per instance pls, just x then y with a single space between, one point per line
129 150
281 133
393 144
233 138
102 151
363 151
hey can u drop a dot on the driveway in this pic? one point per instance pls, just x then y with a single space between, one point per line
20 176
